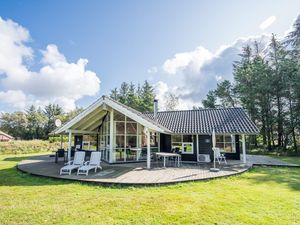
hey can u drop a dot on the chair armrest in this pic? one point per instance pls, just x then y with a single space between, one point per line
69 163
86 163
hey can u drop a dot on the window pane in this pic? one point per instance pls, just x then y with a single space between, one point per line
131 141
176 138
219 138
228 138
129 119
220 145
119 127
144 140
118 116
187 138
119 141
188 148
228 147
153 140
177 147
131 128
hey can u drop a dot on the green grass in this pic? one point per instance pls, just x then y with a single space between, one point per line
289 159
264 195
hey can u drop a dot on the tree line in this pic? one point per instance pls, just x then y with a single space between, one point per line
38 122
35 123
267 84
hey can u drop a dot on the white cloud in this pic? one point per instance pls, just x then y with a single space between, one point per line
199 71
57 81
15 98
153 69
194 60
267 22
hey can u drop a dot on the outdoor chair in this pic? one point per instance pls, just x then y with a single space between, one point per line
74 164
220 157
94 163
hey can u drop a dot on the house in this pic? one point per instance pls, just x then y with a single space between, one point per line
5 137
124 134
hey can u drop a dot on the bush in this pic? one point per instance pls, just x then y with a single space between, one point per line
24 147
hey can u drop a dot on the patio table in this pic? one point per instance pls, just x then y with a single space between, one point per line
137 151
169 154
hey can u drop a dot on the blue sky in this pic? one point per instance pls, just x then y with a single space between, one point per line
131 41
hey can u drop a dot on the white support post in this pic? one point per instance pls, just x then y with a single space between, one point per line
125 138
70 146
197 144
158 135
111 138
244 148
148 149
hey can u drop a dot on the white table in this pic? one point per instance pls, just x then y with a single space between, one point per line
137 151
169 154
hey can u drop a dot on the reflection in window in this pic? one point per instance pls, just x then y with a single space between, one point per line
226 143
182 144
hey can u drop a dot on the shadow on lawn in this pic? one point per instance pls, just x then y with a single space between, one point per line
282 175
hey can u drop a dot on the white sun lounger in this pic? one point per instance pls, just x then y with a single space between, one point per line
74 164
94 163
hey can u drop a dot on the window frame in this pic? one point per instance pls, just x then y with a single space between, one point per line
224 143
183 143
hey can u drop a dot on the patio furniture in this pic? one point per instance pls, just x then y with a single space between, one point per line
165 155
219 156
74 164
137 151
60 153
94 163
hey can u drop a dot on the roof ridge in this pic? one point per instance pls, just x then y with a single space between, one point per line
187 110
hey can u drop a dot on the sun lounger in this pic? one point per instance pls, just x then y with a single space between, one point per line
74 164
94 163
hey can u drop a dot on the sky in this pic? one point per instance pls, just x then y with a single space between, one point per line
72 52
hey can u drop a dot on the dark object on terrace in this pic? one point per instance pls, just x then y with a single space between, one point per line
60 153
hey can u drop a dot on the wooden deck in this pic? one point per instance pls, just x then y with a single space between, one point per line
133 173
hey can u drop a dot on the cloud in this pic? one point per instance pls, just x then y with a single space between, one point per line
57 81
194 60
200 70
267 22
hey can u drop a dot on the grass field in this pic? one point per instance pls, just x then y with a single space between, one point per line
262 196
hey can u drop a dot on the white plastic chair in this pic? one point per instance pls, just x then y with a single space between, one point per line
219 156
94 163
74 164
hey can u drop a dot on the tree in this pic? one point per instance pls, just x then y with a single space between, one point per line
277 56
171 101
14 124
52 112
224 93
146 98
36 123
210 101
138 97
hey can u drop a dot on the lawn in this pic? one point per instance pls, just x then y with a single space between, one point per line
262 196
289 159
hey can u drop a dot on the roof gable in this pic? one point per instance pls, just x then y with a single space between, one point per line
105 101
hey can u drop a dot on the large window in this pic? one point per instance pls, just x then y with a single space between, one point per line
226 143
129 137
182 144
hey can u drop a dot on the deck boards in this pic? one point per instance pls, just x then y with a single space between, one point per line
136 173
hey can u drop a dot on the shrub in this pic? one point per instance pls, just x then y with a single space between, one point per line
24 147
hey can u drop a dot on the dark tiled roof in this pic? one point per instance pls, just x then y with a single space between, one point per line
203 121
